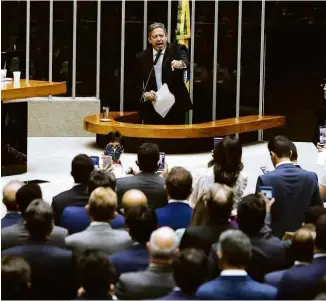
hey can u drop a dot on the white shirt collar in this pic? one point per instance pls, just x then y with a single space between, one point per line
179 201
156 51
100 223
318 255
16 212
283 162
297 262
234 273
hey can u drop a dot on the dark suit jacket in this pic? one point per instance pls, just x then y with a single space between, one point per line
235 288
275 278
202 237
295 189
132 260
174 79
151 184
76 196
17 235
178 295
174 215
157 281
52 270
11 219
303 282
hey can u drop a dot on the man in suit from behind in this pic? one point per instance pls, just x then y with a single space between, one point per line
251 219
301 251
99 235
234 252
303 282
219 201
17 234
140 222
81 168
51 266
96 276
170 65
13 216
147 180
189 273
294 189
157 281
75 218
177 213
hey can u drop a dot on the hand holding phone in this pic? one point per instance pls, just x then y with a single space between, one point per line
161 164
266 191
264 169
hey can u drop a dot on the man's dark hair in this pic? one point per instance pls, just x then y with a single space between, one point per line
320 240
95 272
101 178
179 183
236 248
15 278
141 222
294 154
114 136
148 157
81 167
251 214
281 146
313 213
219 201
302 246
190 270
38 219
27 194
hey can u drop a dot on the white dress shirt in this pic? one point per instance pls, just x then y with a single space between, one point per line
234 273
283 162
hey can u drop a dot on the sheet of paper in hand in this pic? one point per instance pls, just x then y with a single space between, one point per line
164 100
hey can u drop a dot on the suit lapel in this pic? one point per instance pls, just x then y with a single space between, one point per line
148 64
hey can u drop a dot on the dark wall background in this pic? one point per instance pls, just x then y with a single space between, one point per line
295 54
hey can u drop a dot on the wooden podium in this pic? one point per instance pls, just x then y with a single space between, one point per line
14 120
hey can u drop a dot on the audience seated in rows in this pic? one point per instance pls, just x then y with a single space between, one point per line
294 189
157 280
189 272
177 213
99 235
13 215
147 180
304 281
17 234
225 168
140 222
96 276
301 251
81 168
15 278
234 252
76 219
52 274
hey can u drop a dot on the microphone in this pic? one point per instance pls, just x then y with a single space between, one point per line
159 52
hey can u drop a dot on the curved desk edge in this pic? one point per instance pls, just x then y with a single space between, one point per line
122 122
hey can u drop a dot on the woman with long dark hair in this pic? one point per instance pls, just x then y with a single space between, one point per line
225 168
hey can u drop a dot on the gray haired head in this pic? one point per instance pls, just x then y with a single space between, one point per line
163 243
154 26
235 248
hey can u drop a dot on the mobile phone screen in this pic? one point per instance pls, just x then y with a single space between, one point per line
162 162
96 161
267 193
217 140
264 169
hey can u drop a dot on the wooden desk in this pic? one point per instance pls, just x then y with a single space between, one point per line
14 120
30 88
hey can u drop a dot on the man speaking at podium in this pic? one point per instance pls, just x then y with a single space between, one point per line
165 98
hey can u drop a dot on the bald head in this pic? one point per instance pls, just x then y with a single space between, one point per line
303 245
163 243
9 194
132 198
102 204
